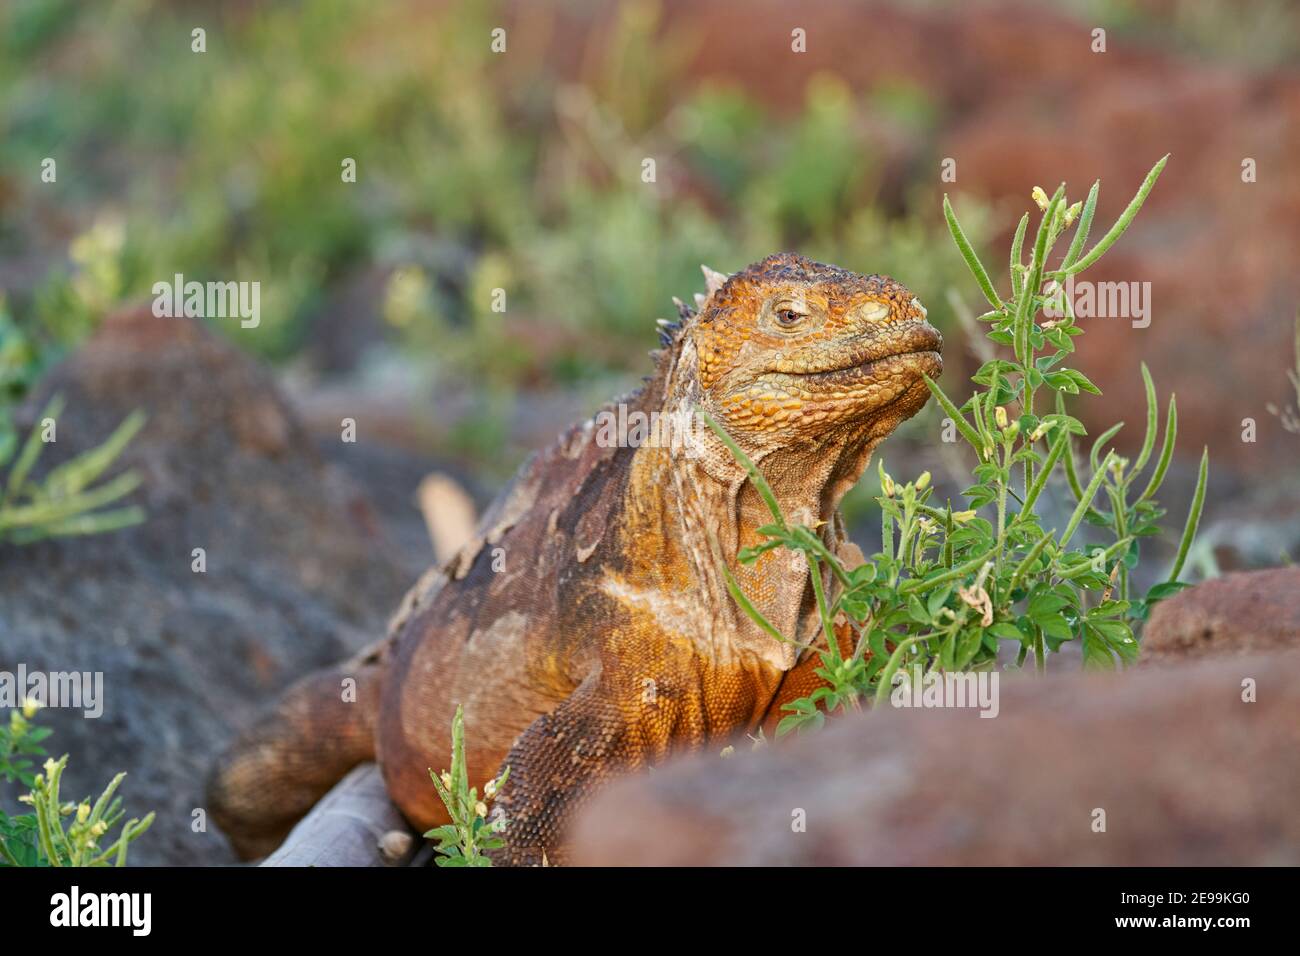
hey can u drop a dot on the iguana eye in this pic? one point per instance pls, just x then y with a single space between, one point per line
788 318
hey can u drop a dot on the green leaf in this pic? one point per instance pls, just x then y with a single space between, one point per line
1193 516
72 476
958 419
1081 231
1085 501
1153 422
968 254
1166 451
1100 443
1122 223
1016 244
1024 318
1096 652
31 449
1005 630
747 606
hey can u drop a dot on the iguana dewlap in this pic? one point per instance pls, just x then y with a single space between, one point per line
587 629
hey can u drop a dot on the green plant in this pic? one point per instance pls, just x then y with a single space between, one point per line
948 586
66 500
463 841
40 838
18 741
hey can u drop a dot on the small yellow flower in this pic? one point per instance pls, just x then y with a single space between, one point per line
923 482
1039 432
51 765
1072 213
1000 416
887 486
446 779
99 828
481 809
83 813
727 752
490 789
30 706
961 517
1041 198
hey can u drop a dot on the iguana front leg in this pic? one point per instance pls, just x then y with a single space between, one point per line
556 764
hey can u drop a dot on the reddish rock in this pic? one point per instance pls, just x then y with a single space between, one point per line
1187 773
1248 612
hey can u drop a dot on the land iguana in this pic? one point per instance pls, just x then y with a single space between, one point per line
587 628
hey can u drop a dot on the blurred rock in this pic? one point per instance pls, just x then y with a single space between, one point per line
1187 773
1014 93
1245 613
300 569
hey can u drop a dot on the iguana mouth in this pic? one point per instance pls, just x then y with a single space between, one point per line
914 345
871 369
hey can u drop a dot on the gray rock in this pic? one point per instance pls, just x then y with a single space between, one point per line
301 570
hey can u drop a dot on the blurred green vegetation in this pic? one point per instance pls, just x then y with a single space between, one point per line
475 172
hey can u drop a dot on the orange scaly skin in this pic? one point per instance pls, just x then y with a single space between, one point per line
587 629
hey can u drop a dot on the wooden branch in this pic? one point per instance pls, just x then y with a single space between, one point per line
355 824
449 514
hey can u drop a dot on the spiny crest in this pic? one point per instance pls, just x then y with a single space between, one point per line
670 332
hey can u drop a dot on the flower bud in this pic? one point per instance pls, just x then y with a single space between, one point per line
961 517
1072 213
1041 198
83 813
30 706
481 809
1000 416
923 482
446 779
887 486
490 789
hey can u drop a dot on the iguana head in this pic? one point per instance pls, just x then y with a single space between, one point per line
791 352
